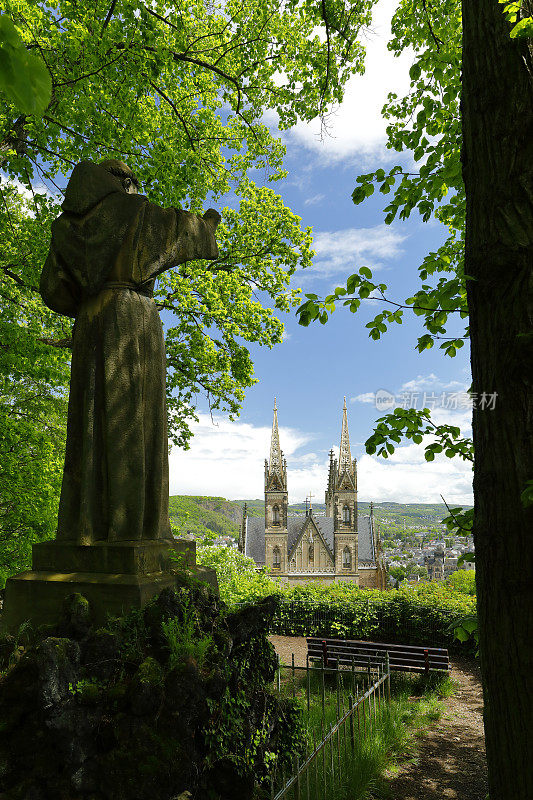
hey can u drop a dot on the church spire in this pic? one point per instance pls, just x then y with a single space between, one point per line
275 467
345 456
275 450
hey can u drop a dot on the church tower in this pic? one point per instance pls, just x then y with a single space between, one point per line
341 503
276 501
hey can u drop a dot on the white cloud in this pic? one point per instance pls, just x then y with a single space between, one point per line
460 417
366 397
227 460
339 251
406 477
432 382
357 127
448 401
314 200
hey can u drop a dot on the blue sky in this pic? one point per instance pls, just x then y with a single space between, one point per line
316 367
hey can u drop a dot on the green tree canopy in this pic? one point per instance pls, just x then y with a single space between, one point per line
179 93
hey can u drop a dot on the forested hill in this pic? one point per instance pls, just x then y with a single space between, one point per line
205 516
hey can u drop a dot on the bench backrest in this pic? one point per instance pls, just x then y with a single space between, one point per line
404 658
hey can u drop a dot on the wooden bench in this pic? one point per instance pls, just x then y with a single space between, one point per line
370 655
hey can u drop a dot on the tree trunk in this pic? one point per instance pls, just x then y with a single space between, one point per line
497 118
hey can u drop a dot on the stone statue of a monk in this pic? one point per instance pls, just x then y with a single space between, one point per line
108 246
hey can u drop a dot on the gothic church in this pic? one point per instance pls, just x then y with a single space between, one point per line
340 545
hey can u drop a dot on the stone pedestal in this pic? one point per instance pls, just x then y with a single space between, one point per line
113 576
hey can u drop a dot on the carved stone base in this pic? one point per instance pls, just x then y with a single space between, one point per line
129 558
113 576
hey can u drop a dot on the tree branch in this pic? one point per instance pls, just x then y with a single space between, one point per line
62 343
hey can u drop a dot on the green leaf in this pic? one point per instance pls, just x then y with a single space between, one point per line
24 78
358 195
526 497
352 282
523 29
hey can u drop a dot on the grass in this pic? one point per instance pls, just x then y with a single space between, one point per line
383 739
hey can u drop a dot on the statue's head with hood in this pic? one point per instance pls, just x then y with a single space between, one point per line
130 182
90 183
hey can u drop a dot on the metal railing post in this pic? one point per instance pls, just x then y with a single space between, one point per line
293 684
352 734
338 696
331 754
323 692
308 684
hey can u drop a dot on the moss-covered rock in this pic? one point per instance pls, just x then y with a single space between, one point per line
164 701
75 616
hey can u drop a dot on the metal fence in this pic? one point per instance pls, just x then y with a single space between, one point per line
322 764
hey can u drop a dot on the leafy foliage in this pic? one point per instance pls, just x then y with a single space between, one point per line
179 93
184 638
419 614
239 580
460 520
413 424
33 377
463 581
522 25
24 78
426 124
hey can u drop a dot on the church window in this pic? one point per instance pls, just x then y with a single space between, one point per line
275 515
346 558
311 553
346 515
277 558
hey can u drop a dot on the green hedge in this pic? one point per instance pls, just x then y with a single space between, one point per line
412 615
419 614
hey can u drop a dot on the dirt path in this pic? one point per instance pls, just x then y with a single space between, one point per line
450 764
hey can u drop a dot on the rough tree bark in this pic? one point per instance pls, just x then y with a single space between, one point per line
497 116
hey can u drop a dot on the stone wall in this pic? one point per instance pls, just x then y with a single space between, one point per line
369 578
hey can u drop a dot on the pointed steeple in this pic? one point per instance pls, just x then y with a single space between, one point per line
276 459
345 456
275 467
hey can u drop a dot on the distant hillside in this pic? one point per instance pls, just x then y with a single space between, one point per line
254 508
216 516
396 519
205 516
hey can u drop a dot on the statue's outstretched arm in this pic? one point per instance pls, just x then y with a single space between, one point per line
170 236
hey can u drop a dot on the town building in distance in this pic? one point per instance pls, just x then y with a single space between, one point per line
340 545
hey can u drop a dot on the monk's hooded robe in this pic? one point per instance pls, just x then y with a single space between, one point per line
107 249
